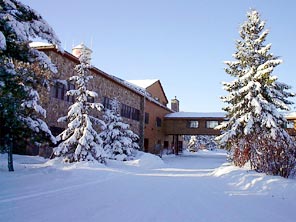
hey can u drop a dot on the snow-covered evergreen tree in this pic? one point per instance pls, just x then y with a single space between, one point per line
206 141
192 144
80 141
202 142
255 127
120 143
20 112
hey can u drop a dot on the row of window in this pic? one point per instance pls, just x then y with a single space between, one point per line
158 121
130 112
60 89
126 111
210 124
59 92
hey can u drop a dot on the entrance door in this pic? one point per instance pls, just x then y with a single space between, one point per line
146 145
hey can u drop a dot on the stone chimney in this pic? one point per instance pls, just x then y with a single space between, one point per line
175 104
77 51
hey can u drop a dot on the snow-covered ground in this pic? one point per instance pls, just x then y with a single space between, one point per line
191 187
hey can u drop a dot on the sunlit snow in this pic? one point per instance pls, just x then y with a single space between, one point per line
193 187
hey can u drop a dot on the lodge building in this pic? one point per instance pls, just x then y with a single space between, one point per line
144 104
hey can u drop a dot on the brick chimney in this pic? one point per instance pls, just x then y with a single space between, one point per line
175 104
77 51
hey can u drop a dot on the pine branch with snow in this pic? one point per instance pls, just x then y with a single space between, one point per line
254 100
80 141
120 143
20 112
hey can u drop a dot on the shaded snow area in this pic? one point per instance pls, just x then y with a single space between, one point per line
195 187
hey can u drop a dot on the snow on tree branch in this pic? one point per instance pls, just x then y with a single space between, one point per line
255 128
80 141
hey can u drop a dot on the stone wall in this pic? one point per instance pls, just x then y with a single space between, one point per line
101 83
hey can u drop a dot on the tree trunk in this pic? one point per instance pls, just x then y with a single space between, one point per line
10 157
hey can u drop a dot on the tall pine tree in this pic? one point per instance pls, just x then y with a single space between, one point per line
120 143
20 112
80 141
255 129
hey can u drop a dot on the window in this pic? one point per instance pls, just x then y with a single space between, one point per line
135 114
193 124
158 122
71 86
146 118
211 124
107 102
58 91
290 124
125 111
130 112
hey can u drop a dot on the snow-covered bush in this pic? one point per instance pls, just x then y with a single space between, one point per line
255 128
201 142
120 143
80 141
20 112
192 144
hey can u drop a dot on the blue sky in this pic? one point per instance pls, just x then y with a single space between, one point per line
181 42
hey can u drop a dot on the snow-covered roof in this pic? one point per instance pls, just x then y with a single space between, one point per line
196 115
140 90
134 87
291 115
39 44
145 83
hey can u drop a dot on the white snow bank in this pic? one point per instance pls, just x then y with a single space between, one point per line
60 164
146 160
142 160
246 181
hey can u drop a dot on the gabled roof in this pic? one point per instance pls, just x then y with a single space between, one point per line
146 83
